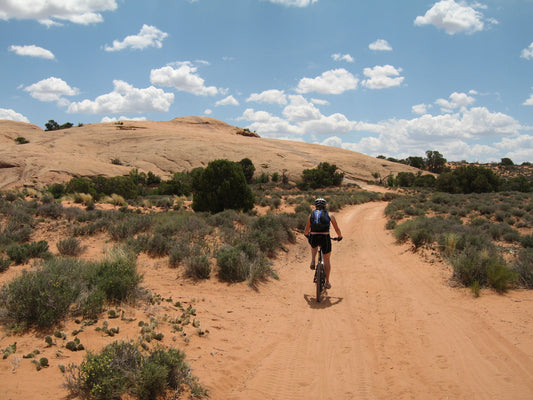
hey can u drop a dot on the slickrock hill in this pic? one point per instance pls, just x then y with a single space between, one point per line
112 149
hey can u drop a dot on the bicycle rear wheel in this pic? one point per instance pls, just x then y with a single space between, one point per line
320 278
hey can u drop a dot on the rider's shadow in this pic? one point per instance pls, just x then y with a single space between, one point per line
327 301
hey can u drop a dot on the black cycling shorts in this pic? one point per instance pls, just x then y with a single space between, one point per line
324 241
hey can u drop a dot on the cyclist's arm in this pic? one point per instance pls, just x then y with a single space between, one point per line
307 227
336 226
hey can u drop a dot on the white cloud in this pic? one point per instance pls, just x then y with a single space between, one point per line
183 78
381 77
457 100
320 102
299 110
528 102
48 12
208 111
32 51
342 57
12 115
270 125
454 135
227 101
380 45
122 118
335 81
420 109
454 17
294 3
272 96
51 89
125 99
527 53
148 36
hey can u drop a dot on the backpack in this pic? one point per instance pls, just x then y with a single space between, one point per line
320 221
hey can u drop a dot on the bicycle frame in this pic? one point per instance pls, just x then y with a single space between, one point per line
320 275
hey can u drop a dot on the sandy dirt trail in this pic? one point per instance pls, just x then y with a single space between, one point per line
390 328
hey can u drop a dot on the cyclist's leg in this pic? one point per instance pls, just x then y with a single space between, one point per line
326 249
314 250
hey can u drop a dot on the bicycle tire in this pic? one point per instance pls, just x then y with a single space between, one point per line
319 272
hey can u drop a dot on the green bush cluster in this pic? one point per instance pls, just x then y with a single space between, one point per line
473 248
44 296
122 369
243 262
325 175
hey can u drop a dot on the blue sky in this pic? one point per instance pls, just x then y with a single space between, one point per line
382 77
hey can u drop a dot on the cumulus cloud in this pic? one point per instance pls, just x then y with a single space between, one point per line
12 115
125 99
381 77
342 57
148 36
227 101
272 96
380 45
32 51
456 100
420 109
51 89
49 12
335 81
529 102
122 118
454 17
183 78
294 3
299 110
527 53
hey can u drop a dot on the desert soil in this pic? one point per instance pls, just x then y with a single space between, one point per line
391 327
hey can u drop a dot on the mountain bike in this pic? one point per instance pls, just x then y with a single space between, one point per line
320 275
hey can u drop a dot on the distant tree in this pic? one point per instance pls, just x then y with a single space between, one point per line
405 179
322 176
507 162
51 125
469 179
417 162
435 162
248 169
222 185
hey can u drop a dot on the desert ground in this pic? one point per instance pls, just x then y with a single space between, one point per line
391 327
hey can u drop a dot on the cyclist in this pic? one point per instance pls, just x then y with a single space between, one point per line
317 232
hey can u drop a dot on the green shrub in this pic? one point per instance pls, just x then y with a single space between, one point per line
116 276
222 185
526 241
158 246
121 369
4 263
524 268
198 266
483 266
21 140
243 262
21 254
324 175
69 247
42 297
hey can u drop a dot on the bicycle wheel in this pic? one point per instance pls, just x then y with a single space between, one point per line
320 278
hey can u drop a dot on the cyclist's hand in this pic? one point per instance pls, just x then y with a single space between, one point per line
340 238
